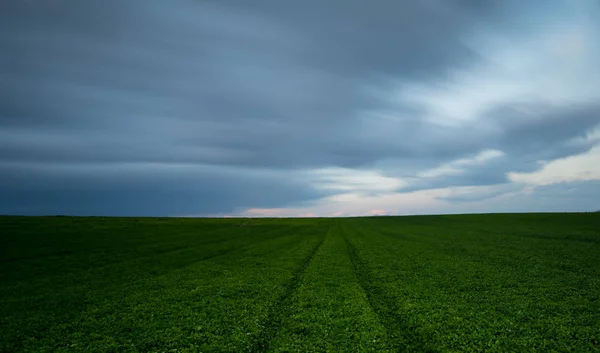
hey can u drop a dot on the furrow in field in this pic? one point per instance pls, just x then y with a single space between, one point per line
402 337
278 310
329 310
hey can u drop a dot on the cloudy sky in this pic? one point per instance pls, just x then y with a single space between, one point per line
298 108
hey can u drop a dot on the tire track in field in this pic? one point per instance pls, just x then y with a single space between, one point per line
401 336
279 311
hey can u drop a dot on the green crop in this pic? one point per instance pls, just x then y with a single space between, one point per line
497 283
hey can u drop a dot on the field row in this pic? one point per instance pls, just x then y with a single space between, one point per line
430 283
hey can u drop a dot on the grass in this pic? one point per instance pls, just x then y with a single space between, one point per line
498 283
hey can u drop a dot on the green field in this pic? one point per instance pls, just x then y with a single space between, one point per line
498 283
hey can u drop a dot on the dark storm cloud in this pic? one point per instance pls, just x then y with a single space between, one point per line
142 189
386 37
536 132
103 102
226 76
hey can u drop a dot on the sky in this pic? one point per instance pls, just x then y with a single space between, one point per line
271 108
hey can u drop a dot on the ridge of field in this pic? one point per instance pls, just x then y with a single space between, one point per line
497 282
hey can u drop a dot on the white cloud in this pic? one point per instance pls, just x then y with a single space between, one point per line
429 201
582 167
591 137
354 180
459 166
556 66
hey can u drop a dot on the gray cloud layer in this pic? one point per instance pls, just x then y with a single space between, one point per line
190 107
